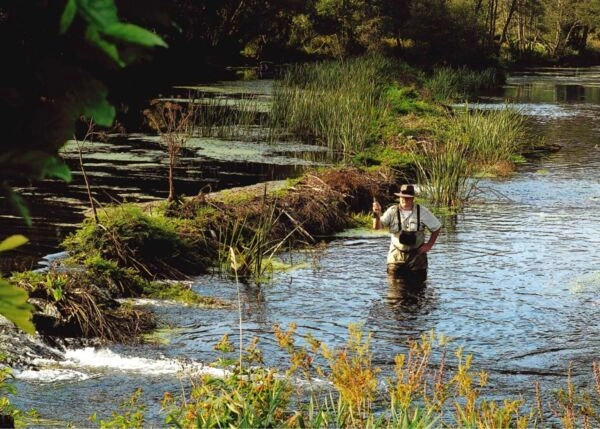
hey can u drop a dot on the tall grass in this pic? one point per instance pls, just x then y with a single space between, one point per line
443 170
467 143
339 104
493 135
448 83
230 118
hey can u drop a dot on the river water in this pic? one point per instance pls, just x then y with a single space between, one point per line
514 279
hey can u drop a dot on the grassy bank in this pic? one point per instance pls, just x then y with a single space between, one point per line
378 112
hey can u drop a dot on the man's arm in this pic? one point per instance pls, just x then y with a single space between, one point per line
426 247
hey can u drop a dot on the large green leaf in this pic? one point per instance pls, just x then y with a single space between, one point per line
102 20
13 242
100 13
93 36
13 300
134 34
44 165
94 97
68 16
17 203
14 306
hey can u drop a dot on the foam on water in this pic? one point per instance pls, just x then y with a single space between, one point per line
88 362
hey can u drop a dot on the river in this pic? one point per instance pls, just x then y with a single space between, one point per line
514 279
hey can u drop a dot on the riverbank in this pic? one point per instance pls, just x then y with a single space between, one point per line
135 249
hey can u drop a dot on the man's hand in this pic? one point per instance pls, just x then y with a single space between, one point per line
376 207
376 214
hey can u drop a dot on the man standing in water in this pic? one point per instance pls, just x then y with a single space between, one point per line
406 222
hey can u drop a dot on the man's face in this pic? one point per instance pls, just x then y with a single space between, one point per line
406 202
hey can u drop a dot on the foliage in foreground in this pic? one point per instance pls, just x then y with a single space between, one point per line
430 387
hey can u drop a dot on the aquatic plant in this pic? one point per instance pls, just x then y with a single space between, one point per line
181 292
465 144
443 171
8 411
338 104
230 118
448 84
132 414
247 244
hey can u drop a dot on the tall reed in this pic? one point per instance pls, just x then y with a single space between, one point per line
337 104
468 142
230 118
493 135
449 83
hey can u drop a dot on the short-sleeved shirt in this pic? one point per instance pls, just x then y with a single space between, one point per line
410 222
389 219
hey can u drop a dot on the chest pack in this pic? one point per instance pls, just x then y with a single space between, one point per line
408 238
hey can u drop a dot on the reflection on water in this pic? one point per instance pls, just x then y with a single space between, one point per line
405 290
555 85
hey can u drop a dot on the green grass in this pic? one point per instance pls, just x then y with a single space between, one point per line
449 84
337 104
465 145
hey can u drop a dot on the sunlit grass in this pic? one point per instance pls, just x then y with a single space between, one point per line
433 384
448 84
468 143
338 104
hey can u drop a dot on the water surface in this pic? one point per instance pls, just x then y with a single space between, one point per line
514 279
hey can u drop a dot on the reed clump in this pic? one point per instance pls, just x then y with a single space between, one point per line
230 118
338 104
449 84
467 144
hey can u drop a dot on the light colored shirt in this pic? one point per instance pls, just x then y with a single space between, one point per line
389 219
410 222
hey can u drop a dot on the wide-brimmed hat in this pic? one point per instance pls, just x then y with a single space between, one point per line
406 191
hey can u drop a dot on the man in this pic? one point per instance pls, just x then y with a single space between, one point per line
406 222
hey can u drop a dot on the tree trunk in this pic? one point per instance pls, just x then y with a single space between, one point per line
511 11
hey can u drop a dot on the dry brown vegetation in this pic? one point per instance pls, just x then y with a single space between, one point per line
320 203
